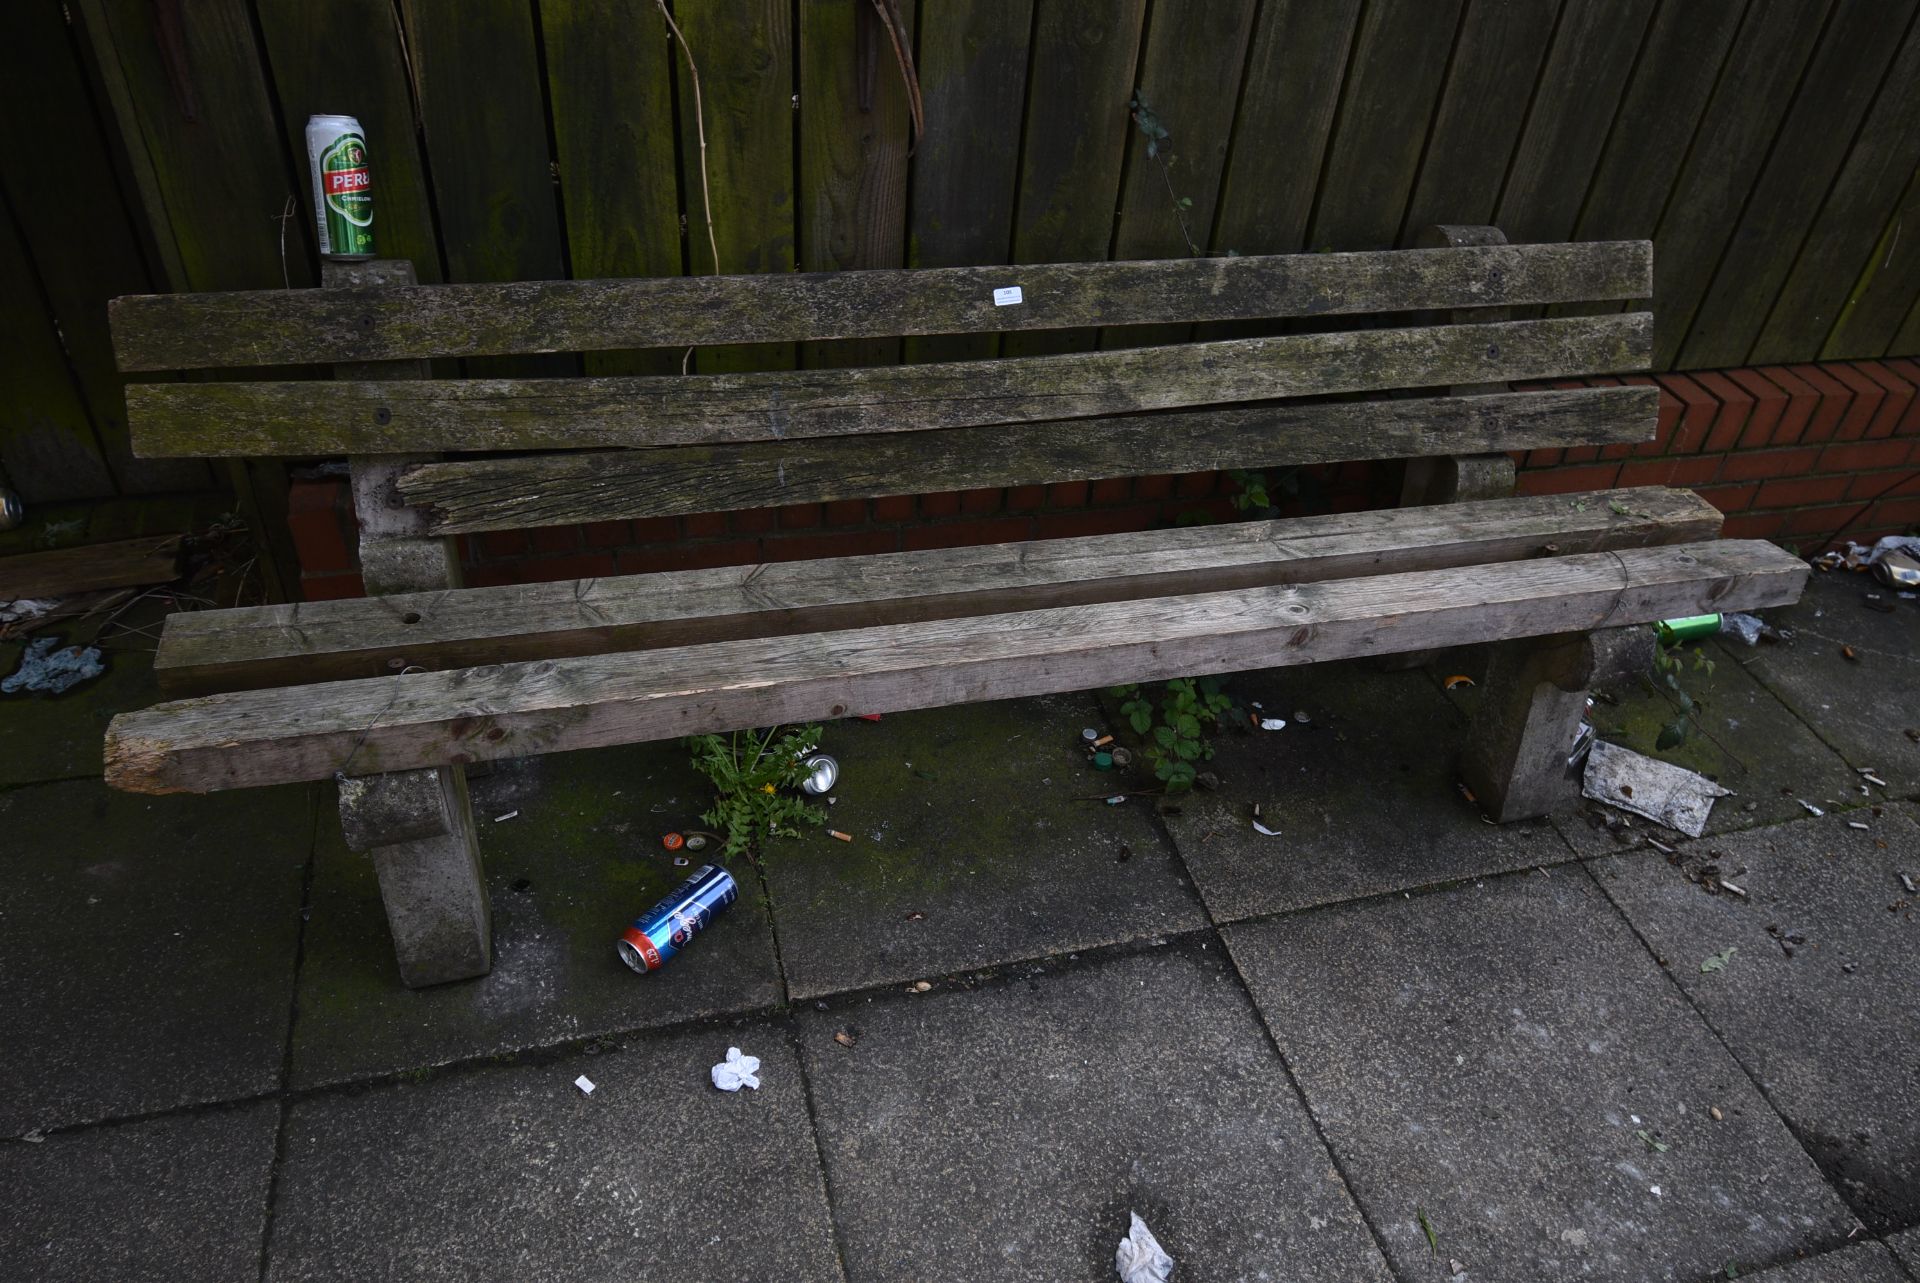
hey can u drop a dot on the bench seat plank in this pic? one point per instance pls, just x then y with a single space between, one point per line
466 495
297 643
291 327
347 417
397 723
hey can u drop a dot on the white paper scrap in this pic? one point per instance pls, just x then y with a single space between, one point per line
585 1084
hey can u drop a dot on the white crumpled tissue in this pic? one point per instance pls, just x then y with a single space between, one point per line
1139 1258
737 1071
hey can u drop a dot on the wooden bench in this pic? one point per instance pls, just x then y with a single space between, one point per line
1389 355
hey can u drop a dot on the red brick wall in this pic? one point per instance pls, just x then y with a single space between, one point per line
1788 453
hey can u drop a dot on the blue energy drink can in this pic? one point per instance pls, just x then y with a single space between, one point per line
670 925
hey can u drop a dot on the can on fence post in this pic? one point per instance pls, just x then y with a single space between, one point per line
342 186
669 926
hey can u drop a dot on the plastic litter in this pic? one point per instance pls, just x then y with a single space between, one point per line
25 608
44 667
585 1084
1811 809
1748 628
1140 1258
737 1071
1273 723
1665 793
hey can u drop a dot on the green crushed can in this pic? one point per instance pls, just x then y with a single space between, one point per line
1691 628
342 186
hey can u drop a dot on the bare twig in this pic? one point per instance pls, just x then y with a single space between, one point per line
896 35
700 128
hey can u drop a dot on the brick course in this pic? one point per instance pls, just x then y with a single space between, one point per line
1787 452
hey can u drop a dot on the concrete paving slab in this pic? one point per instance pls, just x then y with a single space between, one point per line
1746 739
1507 1061
173 1198
1832 1033
58 737
147 947
1005 1132
573 869
1861 1263
1906 1246
973 845
515 1174
1363 794
1864 708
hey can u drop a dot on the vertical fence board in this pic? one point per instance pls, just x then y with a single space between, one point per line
1772 47
1880 294
485 125
1294 74
853 159
74 222
223 179
973 80
1665 98
1835 300
1078 83
1580 89
47 446
1482 107
745 56
610 80
344 58
1399 61
1839 87
1193 54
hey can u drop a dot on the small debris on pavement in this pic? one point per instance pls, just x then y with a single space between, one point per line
844 1038
585 1084
922 986
681 861
1856 824
838 836
1713 1112
736 1071
1300 716
502 819
1456 1268
1122 756
916 916
1260 828
1811 809
1140 1258
1733 888
1788 940
672 841
1848 653
1665 793
45 668
1658 1147
1273 723
1906 880
1718 961
1459 681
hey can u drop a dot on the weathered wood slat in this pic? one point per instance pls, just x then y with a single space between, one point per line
503 494
546 706
281 327
248 649
280 418
63 571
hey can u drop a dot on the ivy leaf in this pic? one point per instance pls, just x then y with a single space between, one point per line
1672 735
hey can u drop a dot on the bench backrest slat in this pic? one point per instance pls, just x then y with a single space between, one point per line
283 418
326 326
466 495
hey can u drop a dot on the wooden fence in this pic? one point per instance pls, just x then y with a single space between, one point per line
1768 146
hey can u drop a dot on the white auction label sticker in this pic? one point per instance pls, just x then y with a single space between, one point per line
1007 296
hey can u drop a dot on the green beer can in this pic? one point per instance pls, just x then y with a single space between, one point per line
342 186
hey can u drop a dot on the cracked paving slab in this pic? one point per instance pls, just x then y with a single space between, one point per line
1006 1131
1508 1063
1818 999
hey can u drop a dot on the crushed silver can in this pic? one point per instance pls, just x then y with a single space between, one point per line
824 773
12 511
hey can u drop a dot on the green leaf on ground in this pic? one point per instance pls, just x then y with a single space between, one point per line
1719 961
1426 1227
1657 1147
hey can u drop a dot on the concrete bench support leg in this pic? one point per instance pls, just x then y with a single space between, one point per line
1516 756
418 827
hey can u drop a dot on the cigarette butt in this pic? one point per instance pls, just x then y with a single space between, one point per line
836 833
1104 739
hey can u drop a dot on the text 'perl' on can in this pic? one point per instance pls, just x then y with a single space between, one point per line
342 186
670 925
